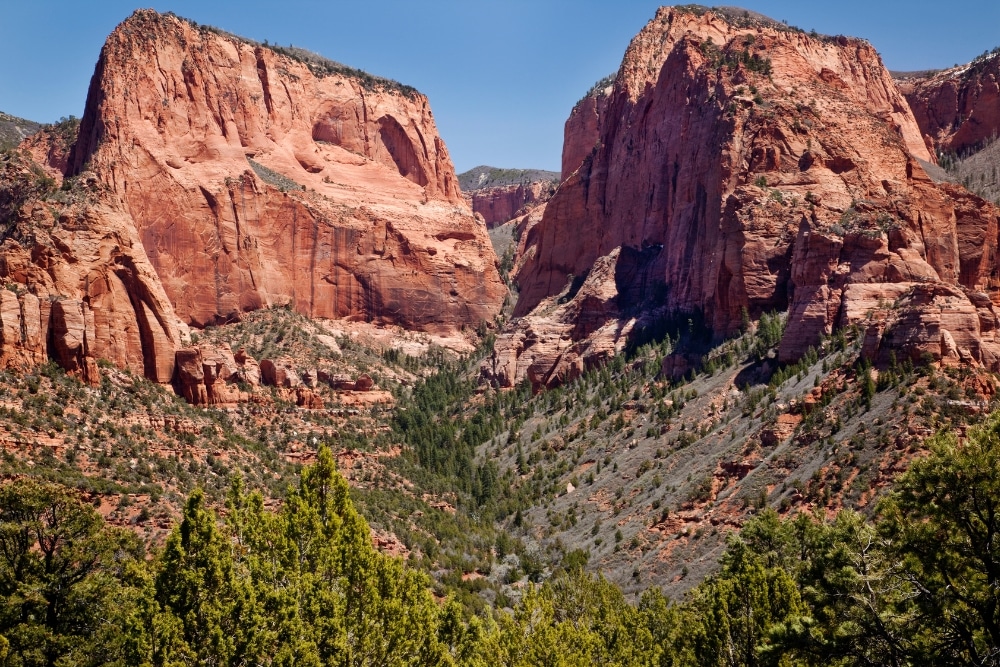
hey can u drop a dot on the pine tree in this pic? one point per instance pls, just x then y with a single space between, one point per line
943 522
60 577
738 609
197 583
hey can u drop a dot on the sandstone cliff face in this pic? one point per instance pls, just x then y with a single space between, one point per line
502 203
958 109
742 166
209 374
582 130
212 176
80 287
254 182
50 147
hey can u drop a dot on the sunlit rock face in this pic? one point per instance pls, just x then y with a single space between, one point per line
739 166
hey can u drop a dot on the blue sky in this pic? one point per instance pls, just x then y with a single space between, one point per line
502 75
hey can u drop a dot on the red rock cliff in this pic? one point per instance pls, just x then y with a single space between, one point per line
499 204
213 176
80 286
254 180
582 130
957 109
742 165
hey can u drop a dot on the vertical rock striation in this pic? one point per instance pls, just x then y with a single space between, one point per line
212 176
256 180
742 167
958 109
503 203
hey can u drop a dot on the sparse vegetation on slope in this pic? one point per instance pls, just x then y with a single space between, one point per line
745 18
272 177
976 169
14 129
599 88
319 65
303 585
481 177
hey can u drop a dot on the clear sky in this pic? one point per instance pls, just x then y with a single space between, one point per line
501 75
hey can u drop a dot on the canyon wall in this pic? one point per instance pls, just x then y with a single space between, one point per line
501 203
79 286
958 109
213 176
258 180
741 167
582 130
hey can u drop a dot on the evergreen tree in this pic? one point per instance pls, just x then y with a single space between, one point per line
198 584
61 572
738 609
943 522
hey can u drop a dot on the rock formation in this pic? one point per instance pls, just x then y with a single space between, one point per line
500 195
740 167
257 179
582 130
958 109
279 373
208 374
212 176
50 147
80 286
502 203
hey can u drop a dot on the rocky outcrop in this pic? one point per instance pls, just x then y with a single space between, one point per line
81 287
578 326
344 382
51 146
500 195
741 166
308 399
209 374
249 369
24 324
957 109
582 130
279 373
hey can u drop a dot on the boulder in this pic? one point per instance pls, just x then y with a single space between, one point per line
279 374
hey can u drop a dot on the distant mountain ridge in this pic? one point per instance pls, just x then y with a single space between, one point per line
958 111
485 176
500 195
14 129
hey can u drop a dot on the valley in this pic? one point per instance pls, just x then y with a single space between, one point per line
725 385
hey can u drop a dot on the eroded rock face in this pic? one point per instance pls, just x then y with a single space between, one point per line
83 287
209 141
209 374
499 204
212 176
582 130
742 167
279 373
249 369
958 109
